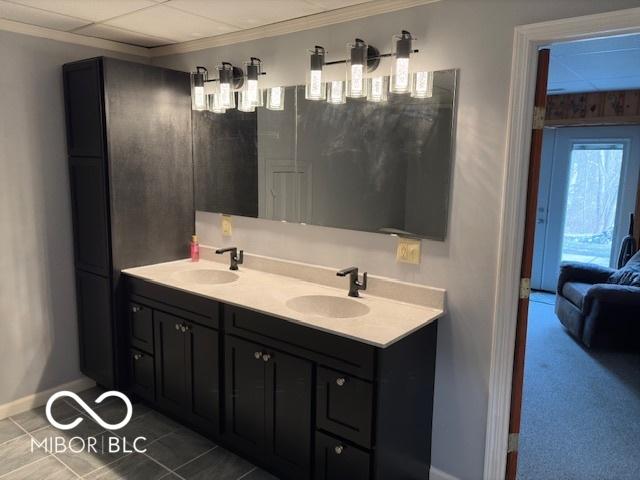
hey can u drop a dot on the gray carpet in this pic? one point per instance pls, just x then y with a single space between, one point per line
581 409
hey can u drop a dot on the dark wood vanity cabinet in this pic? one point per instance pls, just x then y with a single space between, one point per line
301 403
128 127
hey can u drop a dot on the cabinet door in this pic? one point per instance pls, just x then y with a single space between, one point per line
142 374
288 414
95 327
245 396
337 461
171 359
203 381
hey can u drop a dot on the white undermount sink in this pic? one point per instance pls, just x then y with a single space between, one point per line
205 276
328 306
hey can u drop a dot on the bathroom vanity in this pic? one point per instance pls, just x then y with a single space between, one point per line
291 374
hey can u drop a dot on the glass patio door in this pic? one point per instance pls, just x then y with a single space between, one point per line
587 191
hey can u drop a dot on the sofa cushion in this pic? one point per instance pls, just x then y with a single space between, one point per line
629 274
575 292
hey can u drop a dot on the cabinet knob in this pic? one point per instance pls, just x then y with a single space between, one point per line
136 309
266 357
137 356
177 326
187 328
338 449
340 381
183 328
258 355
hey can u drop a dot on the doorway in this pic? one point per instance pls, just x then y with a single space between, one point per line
588 185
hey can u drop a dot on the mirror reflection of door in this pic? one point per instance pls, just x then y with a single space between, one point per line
588 188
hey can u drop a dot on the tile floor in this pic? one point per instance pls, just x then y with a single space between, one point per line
173 451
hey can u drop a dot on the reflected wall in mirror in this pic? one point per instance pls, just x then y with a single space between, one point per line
379 167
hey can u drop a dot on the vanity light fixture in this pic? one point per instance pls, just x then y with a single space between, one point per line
362 59
336 92
198 98
422 85
275 98
400 81
315 88
252 95
378 88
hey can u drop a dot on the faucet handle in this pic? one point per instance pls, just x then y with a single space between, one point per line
240 257
363 284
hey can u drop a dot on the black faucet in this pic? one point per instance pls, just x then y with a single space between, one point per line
354 284
235 258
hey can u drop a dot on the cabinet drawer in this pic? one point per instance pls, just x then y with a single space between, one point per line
345 406
142 375
337 461
141 326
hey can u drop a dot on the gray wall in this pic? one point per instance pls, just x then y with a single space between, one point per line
39 343
476 37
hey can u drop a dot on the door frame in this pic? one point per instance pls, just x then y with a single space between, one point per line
527 40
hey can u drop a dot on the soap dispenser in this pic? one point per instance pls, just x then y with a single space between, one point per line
195 249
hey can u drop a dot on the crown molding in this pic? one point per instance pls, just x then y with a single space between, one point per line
316 20
67 37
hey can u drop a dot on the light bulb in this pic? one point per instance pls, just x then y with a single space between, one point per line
357 80
315 85
252 91
225 95
402 75
198 93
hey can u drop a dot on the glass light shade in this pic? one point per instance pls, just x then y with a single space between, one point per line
400 79
198 97
378 88
225 93
422 85
275 98
245 102
336 92
315 88
213 104
356 69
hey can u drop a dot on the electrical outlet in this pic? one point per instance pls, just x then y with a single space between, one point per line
408 251
227 229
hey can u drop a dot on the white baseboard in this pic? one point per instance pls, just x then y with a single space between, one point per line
38 399
436 474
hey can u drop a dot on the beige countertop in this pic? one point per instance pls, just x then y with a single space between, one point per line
386 322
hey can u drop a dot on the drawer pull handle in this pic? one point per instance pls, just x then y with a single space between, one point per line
340 381
257 355
137 356
338 449
266 357
135 309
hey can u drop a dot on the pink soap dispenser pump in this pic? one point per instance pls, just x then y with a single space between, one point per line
195 249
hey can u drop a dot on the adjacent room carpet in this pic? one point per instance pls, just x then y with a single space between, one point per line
581 408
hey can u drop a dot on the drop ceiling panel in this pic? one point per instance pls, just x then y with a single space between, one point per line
33 16
119 35
595 66
555 88
162 21
247 13
94 10
558 72
618 83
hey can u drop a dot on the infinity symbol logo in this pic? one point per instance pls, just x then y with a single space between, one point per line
89 410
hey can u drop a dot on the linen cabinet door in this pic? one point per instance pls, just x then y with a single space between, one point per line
289 420
171 366
245 396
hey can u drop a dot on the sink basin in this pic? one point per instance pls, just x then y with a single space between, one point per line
328 306
205 276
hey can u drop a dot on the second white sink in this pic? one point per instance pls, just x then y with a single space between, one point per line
328 306
206 276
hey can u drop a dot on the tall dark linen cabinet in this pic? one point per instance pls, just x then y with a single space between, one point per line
131 176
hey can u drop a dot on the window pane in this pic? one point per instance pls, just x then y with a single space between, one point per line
592 199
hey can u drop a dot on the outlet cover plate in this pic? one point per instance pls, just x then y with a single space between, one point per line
227 229
408 251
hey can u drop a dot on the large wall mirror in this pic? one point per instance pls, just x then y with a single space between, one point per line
379 167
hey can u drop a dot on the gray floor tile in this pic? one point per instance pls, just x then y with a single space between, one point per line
132 467
34 419
17 453
259 474
219 463
9 431
114 412
47 469
178 448
151 426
